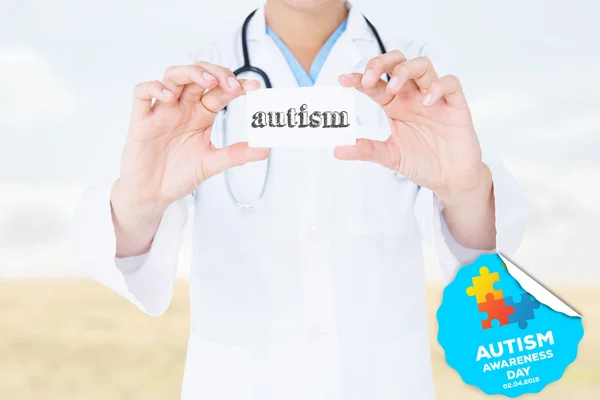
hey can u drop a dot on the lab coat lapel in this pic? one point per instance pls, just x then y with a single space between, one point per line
265 54
345 55
344 58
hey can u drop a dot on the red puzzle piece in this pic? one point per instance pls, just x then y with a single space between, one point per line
495 309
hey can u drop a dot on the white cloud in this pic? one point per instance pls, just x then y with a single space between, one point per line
31 215
500 103
574 188
30 92
572 126
34 227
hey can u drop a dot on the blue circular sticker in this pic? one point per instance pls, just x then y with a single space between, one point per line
498 337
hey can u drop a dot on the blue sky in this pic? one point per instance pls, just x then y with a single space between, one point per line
67 69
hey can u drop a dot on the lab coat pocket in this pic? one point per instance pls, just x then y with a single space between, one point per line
373 199
217 371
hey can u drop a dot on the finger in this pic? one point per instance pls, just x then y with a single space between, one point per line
227 80
419 69
233 155
368 150
448 87
376 92
176 78
379 65
215 99
144 93
192 93
350 80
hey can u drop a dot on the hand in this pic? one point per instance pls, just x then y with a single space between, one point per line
433 142
168 152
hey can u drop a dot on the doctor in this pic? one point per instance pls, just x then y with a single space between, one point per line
317 292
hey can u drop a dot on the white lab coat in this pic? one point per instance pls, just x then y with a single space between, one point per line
317 293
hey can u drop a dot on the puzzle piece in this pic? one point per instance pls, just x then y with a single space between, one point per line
496 309
509 285
523 309
484 284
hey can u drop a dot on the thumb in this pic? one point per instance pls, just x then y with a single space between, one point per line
218 160
369 150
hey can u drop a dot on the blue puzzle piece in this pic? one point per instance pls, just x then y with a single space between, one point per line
523 309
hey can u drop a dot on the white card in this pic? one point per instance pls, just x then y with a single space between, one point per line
301 117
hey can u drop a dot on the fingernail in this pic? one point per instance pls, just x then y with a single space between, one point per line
393 83
233 83
208 77
427 99
367 77
347 76
167 93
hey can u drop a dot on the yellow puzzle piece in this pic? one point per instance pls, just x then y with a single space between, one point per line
484 284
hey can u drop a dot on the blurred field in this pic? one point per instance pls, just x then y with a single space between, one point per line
77 340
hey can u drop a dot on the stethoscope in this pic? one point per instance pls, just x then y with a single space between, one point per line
247 67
